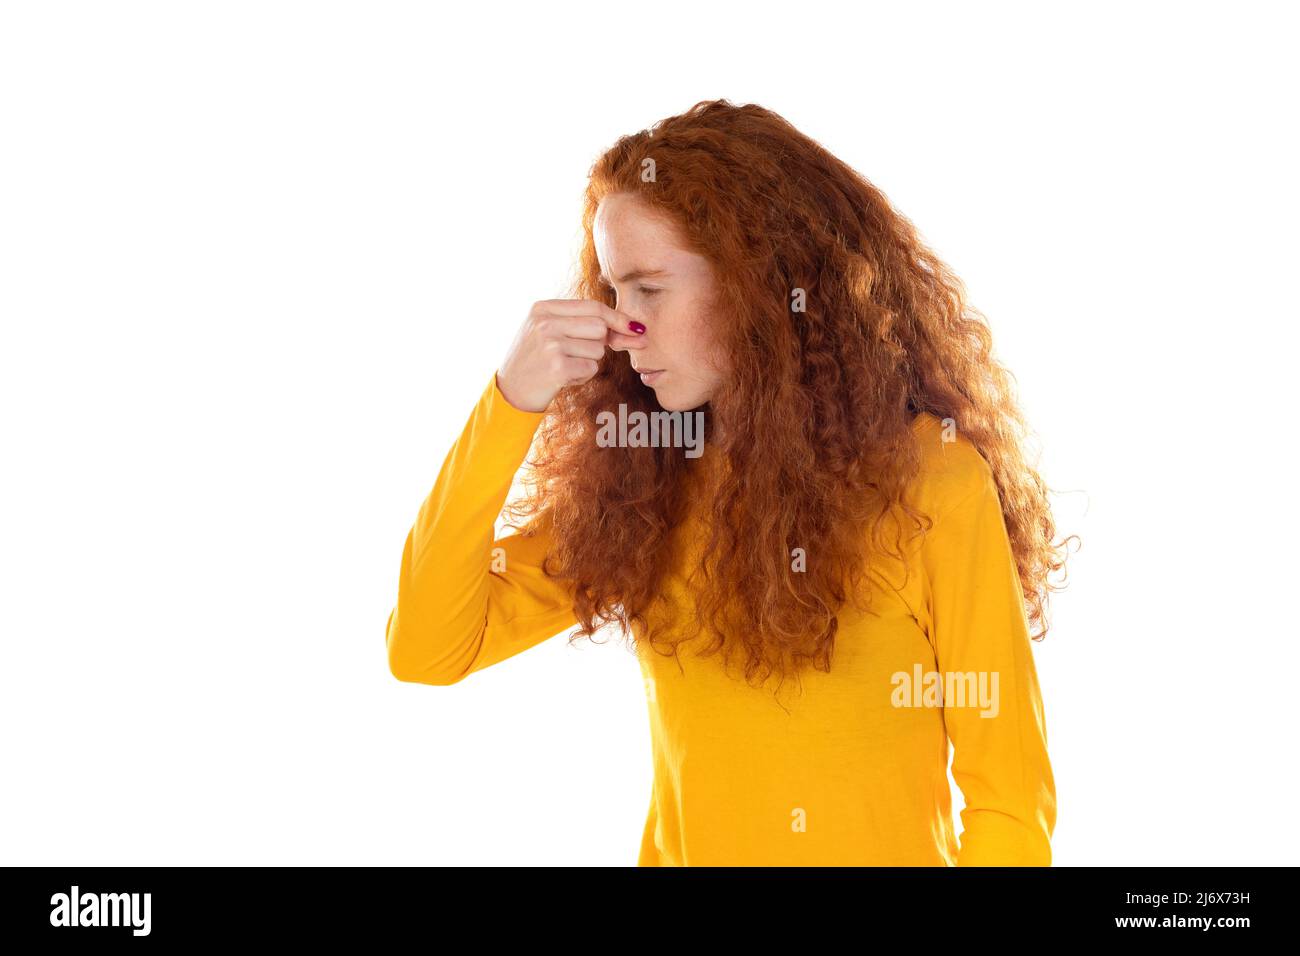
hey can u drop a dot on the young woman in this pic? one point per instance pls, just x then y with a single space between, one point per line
842 582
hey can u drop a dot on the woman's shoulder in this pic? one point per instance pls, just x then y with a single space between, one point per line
952 468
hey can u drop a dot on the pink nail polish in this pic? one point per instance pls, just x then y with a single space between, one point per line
637 327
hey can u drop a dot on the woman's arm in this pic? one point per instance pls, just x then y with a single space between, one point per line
978 627
466 599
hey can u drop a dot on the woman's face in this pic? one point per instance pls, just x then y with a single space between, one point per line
667 289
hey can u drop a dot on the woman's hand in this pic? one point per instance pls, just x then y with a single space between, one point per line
559 344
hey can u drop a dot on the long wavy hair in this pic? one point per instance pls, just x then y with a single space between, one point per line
815 420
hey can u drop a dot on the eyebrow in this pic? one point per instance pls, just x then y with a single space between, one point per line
639 274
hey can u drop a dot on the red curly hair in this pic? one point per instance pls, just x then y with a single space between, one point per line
815 419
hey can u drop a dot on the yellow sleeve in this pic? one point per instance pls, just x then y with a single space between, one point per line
978 626
466 599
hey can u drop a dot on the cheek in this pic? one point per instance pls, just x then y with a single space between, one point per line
685 334
692 331
706 352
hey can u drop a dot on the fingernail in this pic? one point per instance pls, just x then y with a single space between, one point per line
637 327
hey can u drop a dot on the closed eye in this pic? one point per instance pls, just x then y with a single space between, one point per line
643 289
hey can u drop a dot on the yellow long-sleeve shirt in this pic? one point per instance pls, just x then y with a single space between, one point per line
850 770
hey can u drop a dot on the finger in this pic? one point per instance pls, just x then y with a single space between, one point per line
579 370
583 348
616 321
581 327
593 329
620 342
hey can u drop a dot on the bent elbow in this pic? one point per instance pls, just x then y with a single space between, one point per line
409 675
412 669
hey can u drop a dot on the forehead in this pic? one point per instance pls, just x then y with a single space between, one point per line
628 234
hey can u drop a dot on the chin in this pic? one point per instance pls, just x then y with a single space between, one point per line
674 395
674 403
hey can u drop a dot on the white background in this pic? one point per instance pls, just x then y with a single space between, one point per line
258 261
